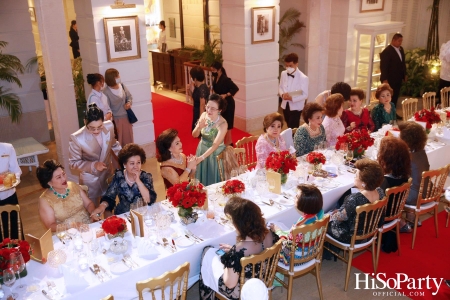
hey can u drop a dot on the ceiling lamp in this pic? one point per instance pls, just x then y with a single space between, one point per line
119 4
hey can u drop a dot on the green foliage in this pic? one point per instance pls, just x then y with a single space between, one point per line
290 25
78 81
419 72
10 67
39 62
208 54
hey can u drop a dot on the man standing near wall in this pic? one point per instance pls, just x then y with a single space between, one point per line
393 67
293 90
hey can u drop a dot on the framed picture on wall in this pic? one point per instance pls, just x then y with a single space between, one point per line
32 13
263 24
371 5
122 38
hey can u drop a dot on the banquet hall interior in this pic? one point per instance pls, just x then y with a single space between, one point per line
336 39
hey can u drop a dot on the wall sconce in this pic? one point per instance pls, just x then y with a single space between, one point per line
119 4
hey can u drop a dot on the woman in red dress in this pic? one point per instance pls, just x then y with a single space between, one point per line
175 166
357 117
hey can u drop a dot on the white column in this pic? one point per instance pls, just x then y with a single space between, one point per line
318 36
134 73
253 67
58 71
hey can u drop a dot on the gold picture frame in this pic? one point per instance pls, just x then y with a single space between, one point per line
263 24
371 5
122 38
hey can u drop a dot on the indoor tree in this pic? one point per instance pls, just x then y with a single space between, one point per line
10 67
290 25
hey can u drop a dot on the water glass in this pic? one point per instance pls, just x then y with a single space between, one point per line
18 264
83 261
9 278
86 233
61 232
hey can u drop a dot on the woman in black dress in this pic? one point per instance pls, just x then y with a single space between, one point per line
225 87
200 93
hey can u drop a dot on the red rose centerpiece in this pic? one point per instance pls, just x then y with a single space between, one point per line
233 187
114 226
357 140
281 162
185 196
317 159
9 246
428 116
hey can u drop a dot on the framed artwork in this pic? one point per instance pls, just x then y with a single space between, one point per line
372 5
263 24
122 38
172 30
32 14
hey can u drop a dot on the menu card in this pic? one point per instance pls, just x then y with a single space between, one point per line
137 223
274 177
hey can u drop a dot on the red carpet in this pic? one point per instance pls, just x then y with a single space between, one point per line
430 257
169 113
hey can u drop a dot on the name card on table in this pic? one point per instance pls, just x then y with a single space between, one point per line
275 178
41 246
137 223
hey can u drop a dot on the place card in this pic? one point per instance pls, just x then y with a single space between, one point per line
274 177
137 223
41 246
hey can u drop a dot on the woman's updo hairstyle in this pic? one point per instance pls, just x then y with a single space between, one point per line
44 173
93 113
220 102
92 79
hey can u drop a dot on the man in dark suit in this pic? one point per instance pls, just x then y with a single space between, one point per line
392 65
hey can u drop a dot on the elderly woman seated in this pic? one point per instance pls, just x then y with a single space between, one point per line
312 132
271 140
62 200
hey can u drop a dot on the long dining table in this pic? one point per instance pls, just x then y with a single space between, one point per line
74 283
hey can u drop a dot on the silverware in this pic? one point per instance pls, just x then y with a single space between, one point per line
104 271
96 272
46 295
193 235
164 246
175 246
166 243
132 262
126 263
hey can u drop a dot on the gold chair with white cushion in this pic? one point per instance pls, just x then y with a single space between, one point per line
429 100
409 107
445 97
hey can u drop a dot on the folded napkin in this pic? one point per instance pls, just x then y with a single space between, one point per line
146 249
73 279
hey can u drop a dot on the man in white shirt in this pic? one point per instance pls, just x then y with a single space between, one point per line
8 163
293 91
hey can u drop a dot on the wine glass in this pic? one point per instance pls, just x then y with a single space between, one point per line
86 233
349 155
18 265
234 173
72 228
9 278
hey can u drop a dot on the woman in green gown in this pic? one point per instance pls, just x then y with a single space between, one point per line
213 128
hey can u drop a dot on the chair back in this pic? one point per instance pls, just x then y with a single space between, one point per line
313 236
396 200
431 186
429 100
294 130
371 105
409 108
177 277
445 97
368 218
109 179
227 163
288 137
109 297
248 143
8 209
266 263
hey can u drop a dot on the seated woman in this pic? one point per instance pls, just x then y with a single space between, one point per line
175 166
221 274
309 205
270 141
213 128
312 132
367 179
130 183
332 121
357 116
62 199
416 138
384 112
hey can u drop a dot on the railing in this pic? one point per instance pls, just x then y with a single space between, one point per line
189 88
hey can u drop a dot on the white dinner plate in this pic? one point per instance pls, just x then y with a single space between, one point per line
184 242
285 202
119 268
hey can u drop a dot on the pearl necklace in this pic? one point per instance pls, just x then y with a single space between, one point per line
314 130
357 113
128 180
62 196
177 160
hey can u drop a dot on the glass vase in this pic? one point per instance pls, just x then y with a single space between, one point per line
283 178
118 244
187 215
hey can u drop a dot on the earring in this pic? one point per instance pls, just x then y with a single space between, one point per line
363 185
124 167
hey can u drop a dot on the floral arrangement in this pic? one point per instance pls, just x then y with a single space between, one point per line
186 195
9 246
428 116
357 140
315 158
281 162
233 187
114 226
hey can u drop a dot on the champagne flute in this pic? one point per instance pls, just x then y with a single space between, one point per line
18 264
86 233
9 278
349 155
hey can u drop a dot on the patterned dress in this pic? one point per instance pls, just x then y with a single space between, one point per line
127 194
263 148
333 128
380 116
304 141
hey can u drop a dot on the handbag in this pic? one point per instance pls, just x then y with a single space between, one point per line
130 113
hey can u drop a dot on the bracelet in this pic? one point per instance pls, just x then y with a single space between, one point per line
104 202
188 170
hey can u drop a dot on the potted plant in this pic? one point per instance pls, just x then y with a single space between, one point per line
290 25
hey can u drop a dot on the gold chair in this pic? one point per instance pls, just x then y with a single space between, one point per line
178 277
409 107
8 209
445 97
367 219
371 105
394 213
109 179
294 130
430 190
429 100
267 262
447 209
310 253
109 297
248 143
240 158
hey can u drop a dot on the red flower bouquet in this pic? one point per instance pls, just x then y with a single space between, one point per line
281 162
233 187
428 116
186 195
357 140
315 158
8 246
114 226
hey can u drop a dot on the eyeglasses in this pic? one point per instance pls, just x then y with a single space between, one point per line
211 108
92 105
95 129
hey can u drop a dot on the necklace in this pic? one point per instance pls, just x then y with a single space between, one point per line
274 141
357 113
317 130
62 196
177 160
211 123
128 180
